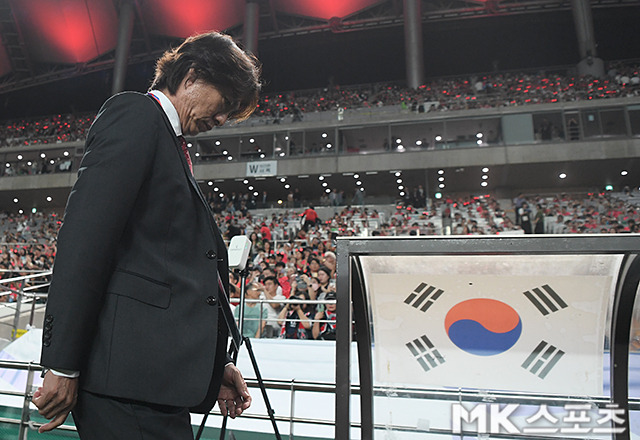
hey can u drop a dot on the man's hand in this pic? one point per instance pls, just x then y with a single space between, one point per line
55 399
234 397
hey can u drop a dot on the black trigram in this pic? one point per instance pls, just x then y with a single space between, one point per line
420 294
425 353
542 359
545 299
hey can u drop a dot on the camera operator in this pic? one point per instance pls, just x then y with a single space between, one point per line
326 330
294 318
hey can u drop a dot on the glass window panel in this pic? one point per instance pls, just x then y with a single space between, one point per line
256 147
365 140
320 142
398 302
217 149
548 127
590 123
613 123
634 118
470 133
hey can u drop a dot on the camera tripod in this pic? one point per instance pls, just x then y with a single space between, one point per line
237 340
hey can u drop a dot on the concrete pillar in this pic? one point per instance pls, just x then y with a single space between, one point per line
589 63
413 43
251 26
125 29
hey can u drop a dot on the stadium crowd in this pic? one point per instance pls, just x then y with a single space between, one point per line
460 93
293 249
49 130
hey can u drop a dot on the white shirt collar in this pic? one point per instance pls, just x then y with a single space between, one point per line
169 110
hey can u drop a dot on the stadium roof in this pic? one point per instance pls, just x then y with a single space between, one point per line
52 40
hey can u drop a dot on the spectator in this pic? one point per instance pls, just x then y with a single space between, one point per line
255 315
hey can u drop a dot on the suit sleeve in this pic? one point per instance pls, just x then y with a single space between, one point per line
119 154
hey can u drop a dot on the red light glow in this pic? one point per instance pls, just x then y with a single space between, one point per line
325 9
188 17
69 31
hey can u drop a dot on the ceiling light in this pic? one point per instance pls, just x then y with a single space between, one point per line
440 179
484 184
441 186
438 138
440 171
624 173
562 176
485 170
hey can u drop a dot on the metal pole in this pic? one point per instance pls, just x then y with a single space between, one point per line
413 43
24 418
583 20
293 406
16 318
125 30
251 26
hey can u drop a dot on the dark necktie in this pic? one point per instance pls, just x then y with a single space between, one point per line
185 150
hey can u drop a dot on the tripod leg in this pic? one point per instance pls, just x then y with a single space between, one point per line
223 428
201 428
270 411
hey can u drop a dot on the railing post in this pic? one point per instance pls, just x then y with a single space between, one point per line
293 406
24 417
16 318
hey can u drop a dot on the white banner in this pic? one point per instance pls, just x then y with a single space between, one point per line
267 168
533 333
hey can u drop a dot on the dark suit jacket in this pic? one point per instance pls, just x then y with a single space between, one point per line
134 299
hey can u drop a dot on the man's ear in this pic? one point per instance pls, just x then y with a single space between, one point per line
190 78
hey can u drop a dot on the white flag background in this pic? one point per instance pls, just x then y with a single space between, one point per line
569 339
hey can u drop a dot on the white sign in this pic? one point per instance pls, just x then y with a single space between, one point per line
266 168
537 333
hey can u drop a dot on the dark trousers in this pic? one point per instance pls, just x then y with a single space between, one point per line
105 418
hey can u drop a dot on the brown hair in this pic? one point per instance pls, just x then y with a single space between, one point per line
216 59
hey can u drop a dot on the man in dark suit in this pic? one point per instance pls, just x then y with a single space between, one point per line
135 326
